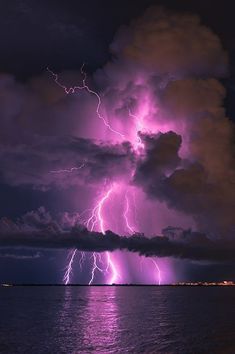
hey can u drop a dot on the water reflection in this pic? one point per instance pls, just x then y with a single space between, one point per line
159 320
102 320
89 320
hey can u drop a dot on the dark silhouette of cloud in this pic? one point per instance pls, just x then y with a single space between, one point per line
39 230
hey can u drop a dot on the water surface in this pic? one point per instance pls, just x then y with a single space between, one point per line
166 320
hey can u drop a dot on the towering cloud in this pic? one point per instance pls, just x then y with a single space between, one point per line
169 43
180 60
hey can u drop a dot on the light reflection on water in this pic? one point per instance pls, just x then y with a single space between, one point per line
102 333
90 316
74 320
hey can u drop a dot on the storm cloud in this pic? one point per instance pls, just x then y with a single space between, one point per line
39 163
161 86
37 229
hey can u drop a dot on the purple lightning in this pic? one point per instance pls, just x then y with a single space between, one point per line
139 147
72 169
84 86
81 260
97 217
131 229
97 220
125 215
159 279
69 269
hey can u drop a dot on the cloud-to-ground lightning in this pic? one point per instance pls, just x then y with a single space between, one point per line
69 268
158 274
81 260
97 211
96 220
131 229
159 277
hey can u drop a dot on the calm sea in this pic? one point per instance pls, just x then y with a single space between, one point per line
167 320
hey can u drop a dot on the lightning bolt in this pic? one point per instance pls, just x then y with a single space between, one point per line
138 146
96 215
156 266
81 260
72 169
97 218
125 215
159 277
95 221
73 89
69 267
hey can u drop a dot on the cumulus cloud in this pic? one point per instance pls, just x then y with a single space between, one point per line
166 42
161 156
188 98
186 185
180 60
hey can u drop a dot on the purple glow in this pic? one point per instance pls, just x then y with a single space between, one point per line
97 217
84 86
118 265
96 222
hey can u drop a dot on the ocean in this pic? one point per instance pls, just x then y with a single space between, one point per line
115 319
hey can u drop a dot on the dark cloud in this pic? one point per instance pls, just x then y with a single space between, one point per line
181 60
168 42
39 230
79 160
161 157
186 185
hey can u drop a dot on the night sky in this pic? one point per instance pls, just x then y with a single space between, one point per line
44 131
